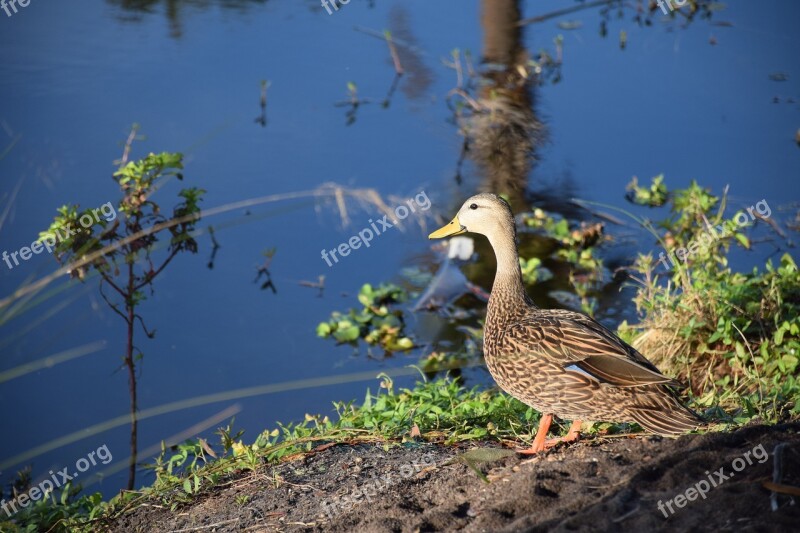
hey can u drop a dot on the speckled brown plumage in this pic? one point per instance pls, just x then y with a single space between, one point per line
562 362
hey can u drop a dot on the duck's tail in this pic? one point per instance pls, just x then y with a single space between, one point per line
662 413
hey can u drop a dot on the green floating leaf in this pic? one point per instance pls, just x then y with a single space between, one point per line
348 334
323 330
405 343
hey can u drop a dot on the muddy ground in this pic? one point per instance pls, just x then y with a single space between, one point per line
609 484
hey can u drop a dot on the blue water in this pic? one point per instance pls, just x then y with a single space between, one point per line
74 78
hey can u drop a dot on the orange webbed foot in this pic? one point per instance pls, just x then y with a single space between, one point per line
540 443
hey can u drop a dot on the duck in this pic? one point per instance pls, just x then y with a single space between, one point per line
561 363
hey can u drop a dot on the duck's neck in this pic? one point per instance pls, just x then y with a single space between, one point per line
508 291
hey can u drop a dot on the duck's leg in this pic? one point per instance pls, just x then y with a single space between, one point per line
572 435
539 442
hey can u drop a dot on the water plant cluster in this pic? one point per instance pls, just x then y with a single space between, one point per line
375 322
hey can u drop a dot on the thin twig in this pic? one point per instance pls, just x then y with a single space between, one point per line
113 306
111 282
148 278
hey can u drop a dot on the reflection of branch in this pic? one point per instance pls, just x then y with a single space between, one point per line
398 68
393 51
392 89
456 65
354 102
315 285
461 157
264 271
565 11
262 118
215 248
398 42
463 94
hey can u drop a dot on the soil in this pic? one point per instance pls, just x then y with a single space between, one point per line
600 484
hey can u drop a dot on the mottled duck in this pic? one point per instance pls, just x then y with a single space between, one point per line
561 363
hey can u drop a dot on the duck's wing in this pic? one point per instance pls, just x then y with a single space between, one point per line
581 344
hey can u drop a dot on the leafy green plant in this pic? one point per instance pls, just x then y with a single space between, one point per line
123 253
733 336
65 511
375 323
654 196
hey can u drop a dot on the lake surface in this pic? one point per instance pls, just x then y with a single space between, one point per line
699 102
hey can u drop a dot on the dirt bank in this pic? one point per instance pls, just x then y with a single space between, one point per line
596 485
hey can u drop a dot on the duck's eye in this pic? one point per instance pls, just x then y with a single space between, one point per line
473 206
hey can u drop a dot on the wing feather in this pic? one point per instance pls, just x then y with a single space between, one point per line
575 340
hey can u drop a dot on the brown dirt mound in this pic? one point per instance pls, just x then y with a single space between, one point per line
596 485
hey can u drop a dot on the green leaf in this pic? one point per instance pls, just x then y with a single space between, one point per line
743 240
348 334
405 343
779 334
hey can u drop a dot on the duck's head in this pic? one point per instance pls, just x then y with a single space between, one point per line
487 214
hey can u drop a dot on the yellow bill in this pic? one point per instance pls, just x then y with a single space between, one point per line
453 228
